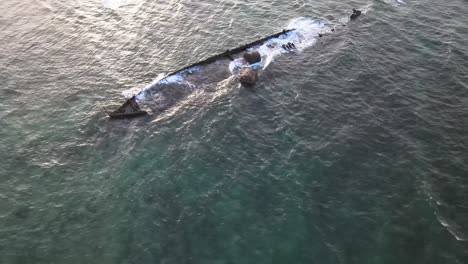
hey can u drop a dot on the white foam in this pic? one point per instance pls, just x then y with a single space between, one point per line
140 93
451 227
305 35
114 4
130 92
395 3
172 79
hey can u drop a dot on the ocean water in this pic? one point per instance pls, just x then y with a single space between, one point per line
351 149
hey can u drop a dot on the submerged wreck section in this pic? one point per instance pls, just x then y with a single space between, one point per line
229 53
245 63
130 108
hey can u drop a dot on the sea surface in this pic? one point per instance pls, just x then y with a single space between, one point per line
352 148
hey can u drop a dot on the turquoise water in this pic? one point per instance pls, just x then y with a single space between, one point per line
352 150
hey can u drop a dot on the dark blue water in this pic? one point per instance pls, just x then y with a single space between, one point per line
352 150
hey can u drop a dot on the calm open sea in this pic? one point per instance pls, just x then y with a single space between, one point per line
353 148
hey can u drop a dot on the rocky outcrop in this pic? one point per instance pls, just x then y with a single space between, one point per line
248 77
252 57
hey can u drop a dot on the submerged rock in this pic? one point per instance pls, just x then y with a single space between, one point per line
22 212
356 14
252 57
248 77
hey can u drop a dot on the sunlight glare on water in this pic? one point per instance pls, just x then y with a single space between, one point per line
351 148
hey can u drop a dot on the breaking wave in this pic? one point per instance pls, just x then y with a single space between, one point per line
437 204
305 34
